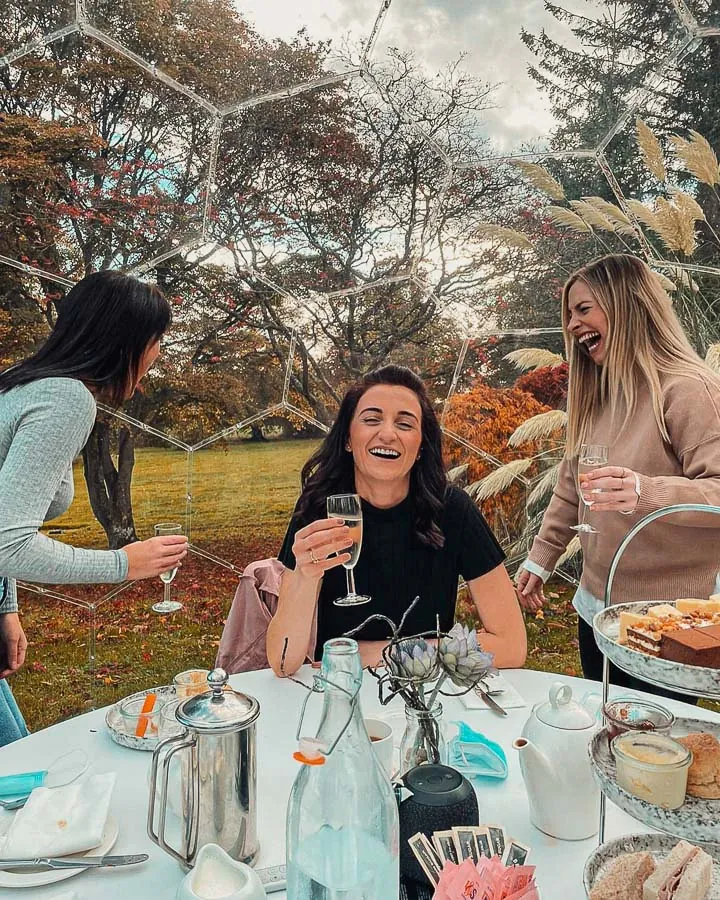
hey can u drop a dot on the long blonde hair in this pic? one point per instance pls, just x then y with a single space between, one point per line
645 340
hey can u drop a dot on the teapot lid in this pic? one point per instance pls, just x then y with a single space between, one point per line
218 710
561 711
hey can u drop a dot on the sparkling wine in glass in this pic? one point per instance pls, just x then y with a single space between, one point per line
349 508
166 605
592 456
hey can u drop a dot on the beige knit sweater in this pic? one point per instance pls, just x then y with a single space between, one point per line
677 556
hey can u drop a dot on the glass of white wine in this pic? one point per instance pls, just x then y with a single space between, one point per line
166 605
349 508
592 456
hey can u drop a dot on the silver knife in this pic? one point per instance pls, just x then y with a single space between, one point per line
495 707
78 862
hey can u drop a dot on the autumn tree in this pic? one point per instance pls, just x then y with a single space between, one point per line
484 417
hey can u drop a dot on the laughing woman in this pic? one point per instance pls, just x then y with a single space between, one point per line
637 387
419 534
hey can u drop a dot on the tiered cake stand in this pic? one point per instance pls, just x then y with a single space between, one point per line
697 820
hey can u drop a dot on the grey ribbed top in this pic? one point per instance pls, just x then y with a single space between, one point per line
43 427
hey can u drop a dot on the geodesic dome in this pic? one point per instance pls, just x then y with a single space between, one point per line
320 189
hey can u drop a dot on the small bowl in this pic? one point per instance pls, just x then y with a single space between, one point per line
137 723
632 714
191 682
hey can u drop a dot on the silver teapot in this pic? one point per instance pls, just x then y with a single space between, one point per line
218 775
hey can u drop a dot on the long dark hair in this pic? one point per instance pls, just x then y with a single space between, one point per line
104 325
330 469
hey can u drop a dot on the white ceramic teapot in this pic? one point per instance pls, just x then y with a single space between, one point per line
563 794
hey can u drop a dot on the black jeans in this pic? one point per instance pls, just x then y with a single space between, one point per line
592 665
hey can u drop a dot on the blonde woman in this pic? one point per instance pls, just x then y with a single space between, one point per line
637 387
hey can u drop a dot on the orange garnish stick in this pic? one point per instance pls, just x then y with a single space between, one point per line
143 720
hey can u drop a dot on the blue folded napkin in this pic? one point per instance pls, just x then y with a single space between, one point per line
476 756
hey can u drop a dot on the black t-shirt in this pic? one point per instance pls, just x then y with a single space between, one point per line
394 568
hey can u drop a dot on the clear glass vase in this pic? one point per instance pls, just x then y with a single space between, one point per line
424 738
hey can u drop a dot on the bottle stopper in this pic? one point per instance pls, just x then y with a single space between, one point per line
310 752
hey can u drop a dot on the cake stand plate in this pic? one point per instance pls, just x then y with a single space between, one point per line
697 820
657 845
696 681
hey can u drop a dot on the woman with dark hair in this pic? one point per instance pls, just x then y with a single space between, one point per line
419 534
106 337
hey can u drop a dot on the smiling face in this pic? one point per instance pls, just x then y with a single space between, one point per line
587 323
385 434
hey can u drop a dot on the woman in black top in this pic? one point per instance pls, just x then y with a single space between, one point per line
419 534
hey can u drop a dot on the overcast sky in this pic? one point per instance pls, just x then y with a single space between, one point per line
487 31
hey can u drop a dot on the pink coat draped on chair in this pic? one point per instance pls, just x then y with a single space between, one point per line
242 645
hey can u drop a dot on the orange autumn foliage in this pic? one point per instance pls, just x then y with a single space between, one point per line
486 417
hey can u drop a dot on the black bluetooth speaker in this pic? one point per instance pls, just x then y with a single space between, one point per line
440 798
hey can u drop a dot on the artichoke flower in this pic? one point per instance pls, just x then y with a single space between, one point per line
462 658
414 659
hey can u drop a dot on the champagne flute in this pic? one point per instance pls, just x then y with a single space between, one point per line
349 508
166 605
592 456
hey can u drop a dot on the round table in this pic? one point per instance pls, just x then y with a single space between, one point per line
559 863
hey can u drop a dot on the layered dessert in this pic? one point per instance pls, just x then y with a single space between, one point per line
653 767
696 646
687 632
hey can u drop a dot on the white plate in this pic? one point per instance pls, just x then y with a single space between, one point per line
657 845
113 720
697 820
39 877
698 681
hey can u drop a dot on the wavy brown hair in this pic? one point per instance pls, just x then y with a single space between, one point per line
330 470
645 341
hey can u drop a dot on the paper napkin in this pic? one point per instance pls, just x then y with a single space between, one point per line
509 699
62 820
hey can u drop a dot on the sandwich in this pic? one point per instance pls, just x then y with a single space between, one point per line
704 771
685 874
624 878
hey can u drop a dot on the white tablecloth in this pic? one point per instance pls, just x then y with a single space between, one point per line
559 863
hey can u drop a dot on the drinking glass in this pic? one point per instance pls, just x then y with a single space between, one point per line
191 682
349 507
166 605
592 456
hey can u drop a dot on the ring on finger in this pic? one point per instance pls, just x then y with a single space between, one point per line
313 558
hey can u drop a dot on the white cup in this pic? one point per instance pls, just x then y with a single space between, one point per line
381 738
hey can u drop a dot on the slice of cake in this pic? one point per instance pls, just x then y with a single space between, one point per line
689 606
664 611
691 647
631 620
645 639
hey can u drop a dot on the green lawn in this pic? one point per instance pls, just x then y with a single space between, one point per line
242 496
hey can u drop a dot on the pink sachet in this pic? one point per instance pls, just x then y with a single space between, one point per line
489 879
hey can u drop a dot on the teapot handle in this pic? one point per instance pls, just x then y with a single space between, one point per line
560 694
593 703
181 742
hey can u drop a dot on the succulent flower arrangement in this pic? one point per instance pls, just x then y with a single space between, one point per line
418 667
